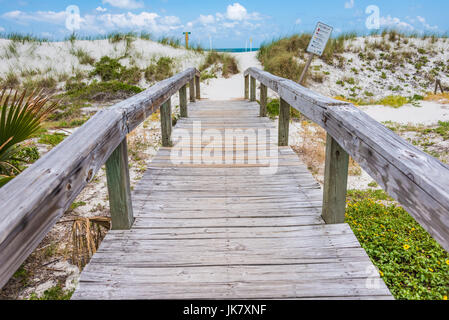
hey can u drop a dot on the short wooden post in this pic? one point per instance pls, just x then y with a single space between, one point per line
192 90
263 100
117 175
197 87
284 123
166 124
253 89
335 182
183 101
247 87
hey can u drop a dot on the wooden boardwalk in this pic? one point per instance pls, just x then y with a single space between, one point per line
226 231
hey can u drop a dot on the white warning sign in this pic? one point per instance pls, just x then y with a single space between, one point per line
319 39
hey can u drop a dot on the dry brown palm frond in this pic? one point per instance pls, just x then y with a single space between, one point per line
87 234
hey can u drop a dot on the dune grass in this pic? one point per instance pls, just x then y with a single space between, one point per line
221 61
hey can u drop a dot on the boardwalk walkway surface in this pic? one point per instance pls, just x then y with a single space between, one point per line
226 231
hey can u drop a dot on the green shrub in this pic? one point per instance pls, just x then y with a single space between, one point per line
108 69
103 91
273 110
411 262
160 69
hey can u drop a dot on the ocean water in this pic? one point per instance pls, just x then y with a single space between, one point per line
233 50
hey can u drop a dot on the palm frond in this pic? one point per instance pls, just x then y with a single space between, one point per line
20 117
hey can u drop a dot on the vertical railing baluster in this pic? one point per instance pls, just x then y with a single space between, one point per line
166 123
183 101
247 87
335 182
117 175
263 100
253 89
284 123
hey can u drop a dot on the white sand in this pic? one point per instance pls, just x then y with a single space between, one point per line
233 87
428 114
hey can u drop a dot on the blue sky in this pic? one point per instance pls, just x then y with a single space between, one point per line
227 23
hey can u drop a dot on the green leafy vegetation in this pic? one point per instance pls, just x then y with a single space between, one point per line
54 293
111 69
411 262
273 110
221 61
51 139
394 101
160 70
20 118
102 91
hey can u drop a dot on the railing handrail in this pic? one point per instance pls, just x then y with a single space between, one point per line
33 202
419 182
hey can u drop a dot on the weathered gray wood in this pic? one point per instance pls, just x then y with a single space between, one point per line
117 174
263 100
192 90
197 88
335 182
284 122
246 87
166 124
253 89
34 201
212 232
183 102
415 179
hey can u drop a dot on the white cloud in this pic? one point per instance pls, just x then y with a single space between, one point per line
236 12
393 22
103 22
349 4
100 9
2 29
206 19
298 21
425 24
39 16
124 4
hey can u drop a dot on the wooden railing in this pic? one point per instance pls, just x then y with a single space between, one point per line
419 182
34 201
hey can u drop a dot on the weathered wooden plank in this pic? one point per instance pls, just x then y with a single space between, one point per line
415 179
192 90
263 100
33 202
117 173
247 87
253 89
335 182
197 87
183 102
166 124
284 123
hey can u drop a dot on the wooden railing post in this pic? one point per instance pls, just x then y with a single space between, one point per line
284 123
183 101
192 90
263 100
197 87
166 124
335 182
253 89
247 87
117 175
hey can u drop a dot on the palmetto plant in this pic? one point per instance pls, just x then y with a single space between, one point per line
20 117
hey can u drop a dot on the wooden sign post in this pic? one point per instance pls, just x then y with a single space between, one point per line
316 46
187 38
